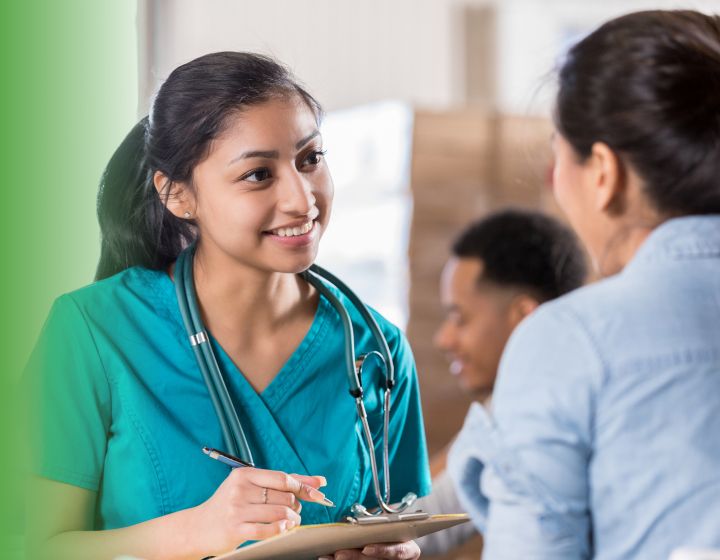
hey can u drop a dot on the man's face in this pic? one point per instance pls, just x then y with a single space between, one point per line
477 324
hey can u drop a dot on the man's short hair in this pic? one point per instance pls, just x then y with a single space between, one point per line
526 250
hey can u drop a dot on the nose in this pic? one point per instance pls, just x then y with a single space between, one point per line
444 336
296 195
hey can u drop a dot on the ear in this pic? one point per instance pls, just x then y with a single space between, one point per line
607 174
520 307
174 195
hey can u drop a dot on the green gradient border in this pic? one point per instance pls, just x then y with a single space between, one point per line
68 97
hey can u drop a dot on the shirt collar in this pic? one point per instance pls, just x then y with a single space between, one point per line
681 238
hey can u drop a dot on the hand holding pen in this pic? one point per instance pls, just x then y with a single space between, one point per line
250 504
308 491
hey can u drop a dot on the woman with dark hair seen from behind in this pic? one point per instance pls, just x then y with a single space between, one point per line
230 161
603 437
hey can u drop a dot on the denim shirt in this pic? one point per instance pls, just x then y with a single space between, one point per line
604 437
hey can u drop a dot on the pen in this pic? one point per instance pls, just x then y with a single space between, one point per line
236 463
226 458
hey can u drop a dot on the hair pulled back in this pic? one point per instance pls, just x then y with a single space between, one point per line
647 84
190 110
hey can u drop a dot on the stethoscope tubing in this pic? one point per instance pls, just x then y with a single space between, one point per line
367 317
230 425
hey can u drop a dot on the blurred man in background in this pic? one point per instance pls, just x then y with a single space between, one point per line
501 269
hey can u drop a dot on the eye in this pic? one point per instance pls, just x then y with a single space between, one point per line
256 175
314 158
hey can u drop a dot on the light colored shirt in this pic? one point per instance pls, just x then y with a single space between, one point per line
122 409
604 438
443 499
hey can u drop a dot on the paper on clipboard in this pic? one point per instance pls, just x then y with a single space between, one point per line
310 541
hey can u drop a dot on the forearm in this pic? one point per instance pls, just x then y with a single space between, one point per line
169 537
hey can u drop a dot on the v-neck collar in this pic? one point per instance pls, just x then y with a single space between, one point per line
281 386
262 412
284 381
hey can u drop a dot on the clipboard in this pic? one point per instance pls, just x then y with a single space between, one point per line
310 541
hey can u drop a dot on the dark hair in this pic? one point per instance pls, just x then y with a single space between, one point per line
647 84
526 250
190 110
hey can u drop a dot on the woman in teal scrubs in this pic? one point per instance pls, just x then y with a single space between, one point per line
230 158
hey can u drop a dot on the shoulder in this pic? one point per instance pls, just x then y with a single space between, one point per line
632 317
588 303
555 355
127 298
135 280
132 290
583 321
573 315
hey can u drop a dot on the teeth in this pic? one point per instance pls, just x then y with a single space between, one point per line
456 367
293 231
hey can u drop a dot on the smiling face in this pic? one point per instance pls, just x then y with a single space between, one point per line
478 322
263 194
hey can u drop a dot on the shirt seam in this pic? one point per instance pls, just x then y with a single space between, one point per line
69 476
150 450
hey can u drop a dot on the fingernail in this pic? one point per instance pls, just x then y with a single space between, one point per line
342 556
283 526
323 481
319 497
370 550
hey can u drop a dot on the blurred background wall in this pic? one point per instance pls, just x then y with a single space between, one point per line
438 112
430 53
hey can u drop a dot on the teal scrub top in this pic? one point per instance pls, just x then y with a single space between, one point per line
122 409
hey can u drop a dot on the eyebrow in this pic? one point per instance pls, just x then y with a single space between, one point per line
307 139
273 154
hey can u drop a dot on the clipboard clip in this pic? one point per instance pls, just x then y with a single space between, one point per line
361 516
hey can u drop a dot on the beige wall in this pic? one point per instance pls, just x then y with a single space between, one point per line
348 52
433 54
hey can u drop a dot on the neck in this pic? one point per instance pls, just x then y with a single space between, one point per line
629 222
486 401
621 247
243 300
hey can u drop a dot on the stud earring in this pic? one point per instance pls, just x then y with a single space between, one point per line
187 215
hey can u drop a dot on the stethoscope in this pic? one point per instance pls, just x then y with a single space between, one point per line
232 430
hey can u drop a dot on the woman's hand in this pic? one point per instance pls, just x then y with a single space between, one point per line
396 551
250 504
